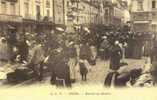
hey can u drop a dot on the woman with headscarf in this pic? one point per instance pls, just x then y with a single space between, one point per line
72 60
115 57
58 64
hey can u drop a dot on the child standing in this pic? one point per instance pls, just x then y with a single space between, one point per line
84 58
84 67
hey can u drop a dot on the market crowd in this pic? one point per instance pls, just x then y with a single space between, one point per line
57 54
40 54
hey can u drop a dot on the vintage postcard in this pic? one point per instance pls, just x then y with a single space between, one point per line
78 49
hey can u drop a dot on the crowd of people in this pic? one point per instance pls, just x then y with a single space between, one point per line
143 75
58 53
54 52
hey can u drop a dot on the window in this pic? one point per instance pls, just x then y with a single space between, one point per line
3 7
154 16
106 2
26 7
140 6
38 16
153 4
47 3
154 28
106 12
12 9
48 13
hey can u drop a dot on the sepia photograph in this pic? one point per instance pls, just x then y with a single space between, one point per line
59 48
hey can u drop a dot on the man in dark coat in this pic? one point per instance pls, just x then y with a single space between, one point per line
154 53
12 41
115 55
60 72
23 49
104 48
37 60
154 62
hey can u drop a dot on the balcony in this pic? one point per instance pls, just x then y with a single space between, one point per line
10 18
154 16
11 0
116 21
29 17
75 1
141 16
51 19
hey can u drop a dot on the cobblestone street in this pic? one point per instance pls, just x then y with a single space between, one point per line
93 85
98 73
95 76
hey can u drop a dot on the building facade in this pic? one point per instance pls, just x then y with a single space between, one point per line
26 15
144 15
82 12
114 12
59 8
89 12
144 23
9 13
39 15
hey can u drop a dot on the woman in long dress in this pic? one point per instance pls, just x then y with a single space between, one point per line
4 50
72 61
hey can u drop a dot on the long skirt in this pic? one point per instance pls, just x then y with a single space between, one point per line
114 64
4 52
72 66
110 80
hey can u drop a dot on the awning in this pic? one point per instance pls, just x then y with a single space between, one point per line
141 22
60 27
11 27
28 21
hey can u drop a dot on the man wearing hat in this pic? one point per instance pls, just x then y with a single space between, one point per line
37 60
104 47
12 41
